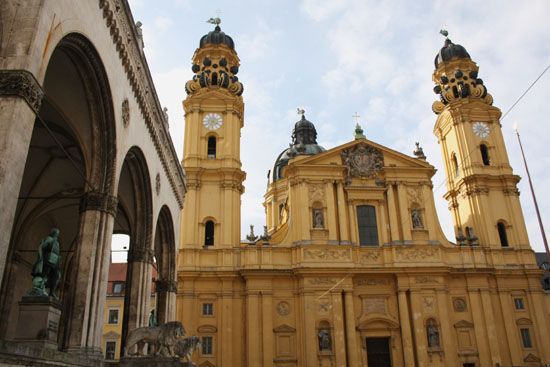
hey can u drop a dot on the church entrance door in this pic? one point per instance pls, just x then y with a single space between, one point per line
378 352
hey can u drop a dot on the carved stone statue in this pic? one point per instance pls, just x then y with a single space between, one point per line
416 217
318 221
162 338
433 335
324 340
153 319
185 347
45 271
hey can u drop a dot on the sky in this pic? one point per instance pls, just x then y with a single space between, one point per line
336 58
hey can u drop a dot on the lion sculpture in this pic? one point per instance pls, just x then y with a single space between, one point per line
161 338
185 347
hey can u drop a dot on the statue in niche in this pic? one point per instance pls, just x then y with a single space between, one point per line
318 220
433 334
416 217
324 340
45 271
153 318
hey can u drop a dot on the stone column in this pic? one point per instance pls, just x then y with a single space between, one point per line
392 211
490 326
420 337
354 353
20 100
342 214
404 212
330 214
252 334
511 329
406 334
267 329
447 333
166 295
479 328
138 288
339 340
92 269
225 312
309 337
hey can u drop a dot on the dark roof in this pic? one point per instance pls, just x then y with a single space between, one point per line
450 51
304 142
217 37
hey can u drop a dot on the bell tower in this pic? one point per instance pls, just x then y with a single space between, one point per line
214 112
481 187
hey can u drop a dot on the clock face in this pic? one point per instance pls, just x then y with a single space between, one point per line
481 129
212 121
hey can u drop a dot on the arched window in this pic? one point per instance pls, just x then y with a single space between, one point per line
209 233
366 222
455 164
484 154
212 147
502 234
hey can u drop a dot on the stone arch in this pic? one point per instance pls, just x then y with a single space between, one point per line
165 253
68 175
135 201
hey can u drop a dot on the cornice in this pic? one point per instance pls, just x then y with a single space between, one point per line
120 22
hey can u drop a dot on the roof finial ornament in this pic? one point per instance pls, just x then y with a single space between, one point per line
216 21
356 117
358 133
301 112
445 33
418 152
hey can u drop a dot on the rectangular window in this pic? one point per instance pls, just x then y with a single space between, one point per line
526 338
118 287
110 350
366 222
518 302
113 316
207 309
207 347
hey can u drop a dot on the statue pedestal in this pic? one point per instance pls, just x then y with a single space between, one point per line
38 321
153 362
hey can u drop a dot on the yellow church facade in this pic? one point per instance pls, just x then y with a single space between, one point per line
353 268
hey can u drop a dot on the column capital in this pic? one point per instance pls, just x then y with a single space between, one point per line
166 285
94 200
140 255
23 84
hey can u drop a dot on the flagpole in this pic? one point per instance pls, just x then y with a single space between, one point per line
534 199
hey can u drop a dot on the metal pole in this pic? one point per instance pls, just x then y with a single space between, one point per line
534 199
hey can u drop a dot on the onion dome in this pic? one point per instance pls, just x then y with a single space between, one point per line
215 64
456 77
304 142
217 37
450 51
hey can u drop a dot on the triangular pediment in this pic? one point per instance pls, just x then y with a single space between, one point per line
391 158
284 329
531 358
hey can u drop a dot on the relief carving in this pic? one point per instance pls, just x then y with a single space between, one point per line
317 193
322 281
459 304
326 254
125 112
369 257
428 304
323 306
363 161
283 308
425 280
415 253
414 194
372 281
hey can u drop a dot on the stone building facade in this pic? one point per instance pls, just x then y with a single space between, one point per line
84 147
354 269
